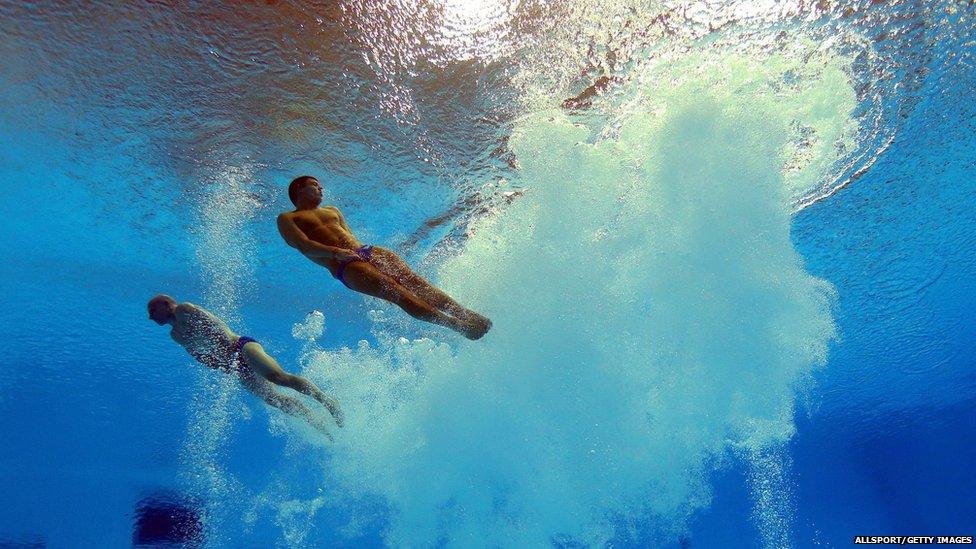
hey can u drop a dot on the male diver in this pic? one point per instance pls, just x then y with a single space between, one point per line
213 344
321 234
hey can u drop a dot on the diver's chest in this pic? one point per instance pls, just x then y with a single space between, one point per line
317 221
193 339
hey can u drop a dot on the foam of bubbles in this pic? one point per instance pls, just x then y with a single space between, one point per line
311 328
802 86
649 313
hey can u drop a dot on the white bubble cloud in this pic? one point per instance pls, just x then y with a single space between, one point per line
650 313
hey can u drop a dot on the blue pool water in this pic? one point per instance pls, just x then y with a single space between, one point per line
731 290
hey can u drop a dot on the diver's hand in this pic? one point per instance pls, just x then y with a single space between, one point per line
346 255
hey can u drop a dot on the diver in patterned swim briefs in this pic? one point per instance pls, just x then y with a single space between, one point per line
321 234
210 341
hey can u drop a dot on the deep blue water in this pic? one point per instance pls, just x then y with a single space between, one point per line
132 191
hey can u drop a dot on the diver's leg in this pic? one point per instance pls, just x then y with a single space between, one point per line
267 367
396 268
290 406
390 264
367 279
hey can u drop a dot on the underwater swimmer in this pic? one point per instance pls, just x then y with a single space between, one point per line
321 234
210 341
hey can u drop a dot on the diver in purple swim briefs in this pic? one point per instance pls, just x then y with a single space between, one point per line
321 234
213 344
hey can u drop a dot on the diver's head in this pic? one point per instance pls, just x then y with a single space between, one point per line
162 308
305 192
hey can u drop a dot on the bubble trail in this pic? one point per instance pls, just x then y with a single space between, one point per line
224 211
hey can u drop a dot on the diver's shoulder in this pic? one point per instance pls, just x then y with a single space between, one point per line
298 214
186 307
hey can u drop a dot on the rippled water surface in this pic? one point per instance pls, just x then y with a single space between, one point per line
727 248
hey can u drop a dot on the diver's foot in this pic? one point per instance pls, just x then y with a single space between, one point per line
320 427
332 405
477 327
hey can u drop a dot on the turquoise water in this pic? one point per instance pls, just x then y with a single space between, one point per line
730 292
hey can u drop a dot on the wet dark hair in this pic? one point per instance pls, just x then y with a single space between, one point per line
161 298
296 185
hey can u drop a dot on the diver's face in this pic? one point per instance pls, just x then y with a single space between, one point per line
159 313
312 192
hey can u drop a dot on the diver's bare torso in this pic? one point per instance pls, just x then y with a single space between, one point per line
325 226
204 336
